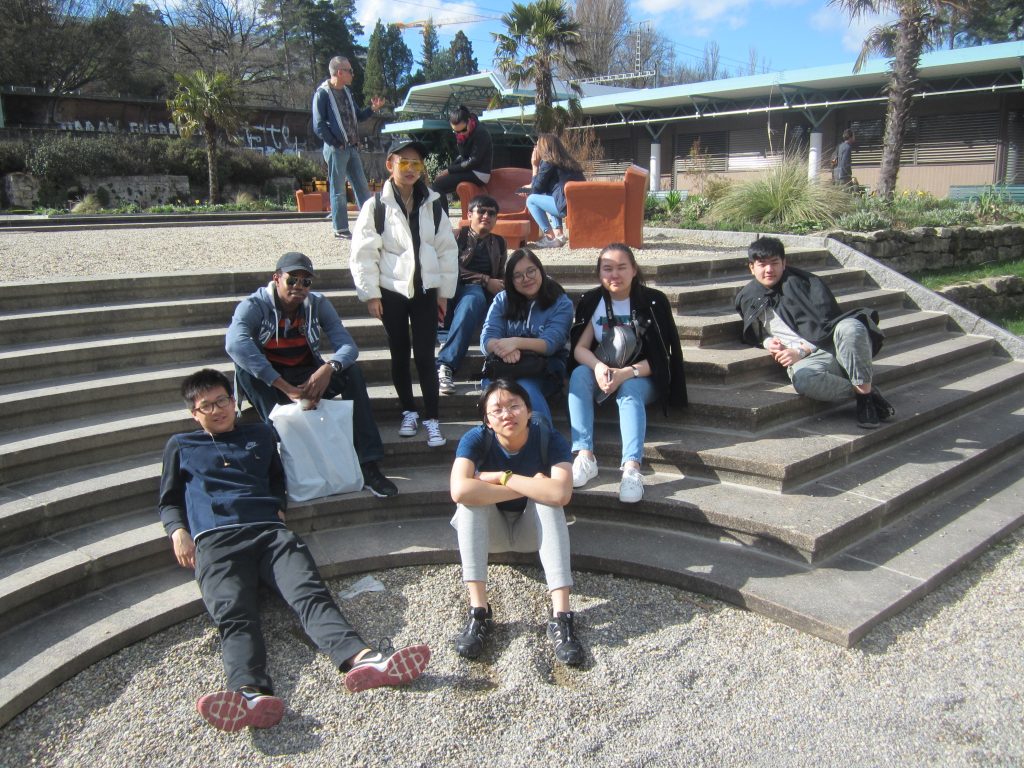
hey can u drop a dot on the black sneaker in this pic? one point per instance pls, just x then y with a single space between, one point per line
568 650
867 416
375 482
343 234
471 642
883 407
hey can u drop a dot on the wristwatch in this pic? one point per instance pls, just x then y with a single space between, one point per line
505 476
636 372
335 365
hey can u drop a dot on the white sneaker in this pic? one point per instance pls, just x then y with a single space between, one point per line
549 242
631 489
410 424
434 437
444 380
584 469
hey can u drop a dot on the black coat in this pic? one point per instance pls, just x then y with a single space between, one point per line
661 347
475 153
804 303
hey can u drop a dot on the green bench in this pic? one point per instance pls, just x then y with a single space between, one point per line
1014 192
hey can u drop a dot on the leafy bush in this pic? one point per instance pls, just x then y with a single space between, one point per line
88 204
781 198
298 167
13 155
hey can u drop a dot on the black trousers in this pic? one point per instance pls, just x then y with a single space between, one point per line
349 384
420 314
230 565
446 185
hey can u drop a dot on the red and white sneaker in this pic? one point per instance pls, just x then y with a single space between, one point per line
388 667
232 711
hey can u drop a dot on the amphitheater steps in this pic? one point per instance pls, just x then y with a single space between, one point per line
749 486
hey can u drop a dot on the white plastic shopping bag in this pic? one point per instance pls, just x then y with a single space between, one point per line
316 449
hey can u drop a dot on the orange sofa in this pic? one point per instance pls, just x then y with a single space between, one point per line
602 212
503 186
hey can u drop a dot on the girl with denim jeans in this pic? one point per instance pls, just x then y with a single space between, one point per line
532 314
655 374
553 166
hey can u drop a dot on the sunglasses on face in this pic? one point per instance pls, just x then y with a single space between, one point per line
305 282
486 212
460 131
410 165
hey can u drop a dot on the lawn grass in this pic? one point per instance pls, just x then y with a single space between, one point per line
941 278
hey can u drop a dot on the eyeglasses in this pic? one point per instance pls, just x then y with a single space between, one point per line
522 277
410 165
486 212
305 282
349 70
460 131
208 408
511 410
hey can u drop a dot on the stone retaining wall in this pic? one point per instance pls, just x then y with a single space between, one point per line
991 297
924 248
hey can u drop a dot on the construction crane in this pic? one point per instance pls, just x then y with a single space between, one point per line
424 22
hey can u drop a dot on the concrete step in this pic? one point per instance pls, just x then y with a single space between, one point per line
828 438
41 654
838 600
34 401
111 433
54 503
720 292
47 572
715 325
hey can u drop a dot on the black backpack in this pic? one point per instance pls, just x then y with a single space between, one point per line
378 214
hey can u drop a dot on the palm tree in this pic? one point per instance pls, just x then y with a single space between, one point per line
902 41
207 104
542 39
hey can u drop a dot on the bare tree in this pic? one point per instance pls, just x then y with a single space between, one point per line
604 33
230 36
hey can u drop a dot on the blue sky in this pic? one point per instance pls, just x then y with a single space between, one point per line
787 34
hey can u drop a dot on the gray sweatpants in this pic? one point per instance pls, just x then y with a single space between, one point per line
824 376
539 527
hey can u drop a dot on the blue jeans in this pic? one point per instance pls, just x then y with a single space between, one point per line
824 376
542 206
467 308
343 164
632 397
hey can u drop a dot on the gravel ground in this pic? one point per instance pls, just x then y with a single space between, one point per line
671 678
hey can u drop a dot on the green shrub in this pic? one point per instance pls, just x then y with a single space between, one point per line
296 166
653 209
781 198
13 156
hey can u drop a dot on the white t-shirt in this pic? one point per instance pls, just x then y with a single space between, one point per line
620 309
775 328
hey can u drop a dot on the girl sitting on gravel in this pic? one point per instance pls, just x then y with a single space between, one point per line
624 345
511 478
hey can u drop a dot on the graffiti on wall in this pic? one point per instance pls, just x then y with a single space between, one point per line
267 139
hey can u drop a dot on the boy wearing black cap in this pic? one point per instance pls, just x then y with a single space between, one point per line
405 267
274 341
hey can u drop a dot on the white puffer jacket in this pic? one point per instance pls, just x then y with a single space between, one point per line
388 261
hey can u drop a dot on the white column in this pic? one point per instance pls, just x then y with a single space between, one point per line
814 155
654 181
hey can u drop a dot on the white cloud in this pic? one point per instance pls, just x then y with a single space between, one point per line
850 32
701 10
389 12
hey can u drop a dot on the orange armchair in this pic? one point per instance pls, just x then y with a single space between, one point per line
502 186
307 202
602 212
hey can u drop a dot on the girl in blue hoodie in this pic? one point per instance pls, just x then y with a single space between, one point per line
532 315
